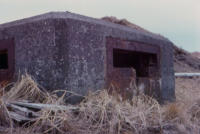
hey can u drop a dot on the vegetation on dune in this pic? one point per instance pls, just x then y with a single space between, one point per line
103 113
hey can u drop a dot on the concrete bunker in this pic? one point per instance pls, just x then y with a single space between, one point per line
62 50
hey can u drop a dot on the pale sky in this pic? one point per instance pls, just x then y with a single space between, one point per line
178 20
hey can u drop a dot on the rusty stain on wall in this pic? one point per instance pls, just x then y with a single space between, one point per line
133 61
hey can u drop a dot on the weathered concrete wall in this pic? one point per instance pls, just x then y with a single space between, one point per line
167 73
68 51
86 56
35 50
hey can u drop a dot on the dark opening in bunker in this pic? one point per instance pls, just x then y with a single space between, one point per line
7 59
4 59
145 64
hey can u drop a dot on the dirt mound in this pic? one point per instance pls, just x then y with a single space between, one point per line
127 23
196 54
183 60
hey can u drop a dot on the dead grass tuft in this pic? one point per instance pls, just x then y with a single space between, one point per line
101 112
25 89
172 111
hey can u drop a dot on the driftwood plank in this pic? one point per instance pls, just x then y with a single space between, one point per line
17 117
22 111
39 106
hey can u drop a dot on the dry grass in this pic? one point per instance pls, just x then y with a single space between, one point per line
101 113
24 89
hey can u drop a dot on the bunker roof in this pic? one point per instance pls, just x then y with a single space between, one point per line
68 15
